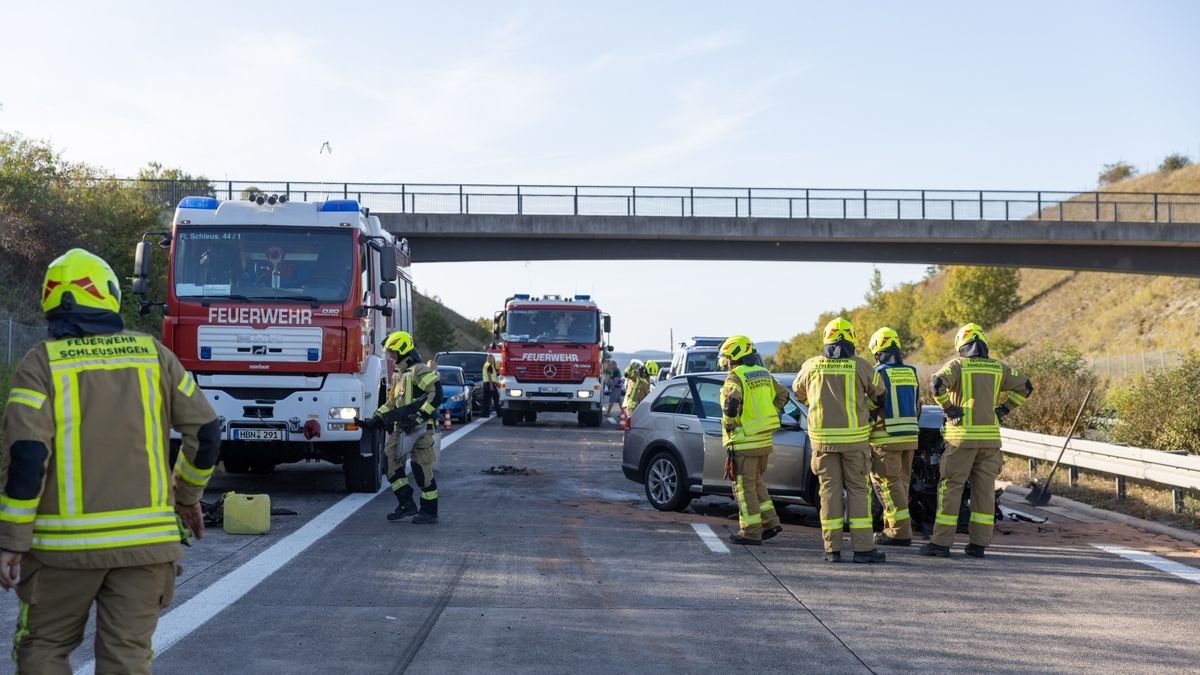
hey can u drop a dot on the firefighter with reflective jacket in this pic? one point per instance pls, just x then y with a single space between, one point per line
94 501
975 392
412 409
491 387
893 437
750 403
839 389
637 386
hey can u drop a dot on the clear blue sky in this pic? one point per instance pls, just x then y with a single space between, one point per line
940 95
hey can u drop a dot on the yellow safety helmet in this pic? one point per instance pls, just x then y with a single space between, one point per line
651 368
967 333
882 339
79 278
400 342
736 347
840 329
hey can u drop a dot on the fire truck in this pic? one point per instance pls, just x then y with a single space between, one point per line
279 309
551 352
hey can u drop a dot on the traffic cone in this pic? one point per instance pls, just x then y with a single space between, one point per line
446 419
623 423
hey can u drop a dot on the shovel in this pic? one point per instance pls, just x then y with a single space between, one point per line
1040 494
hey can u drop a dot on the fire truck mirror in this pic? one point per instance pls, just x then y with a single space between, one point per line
387 265
607 323
387 290
141 268
611 348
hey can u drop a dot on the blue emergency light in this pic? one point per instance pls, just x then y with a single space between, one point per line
520 296
314 354
339 205
208 203
583 297
206 353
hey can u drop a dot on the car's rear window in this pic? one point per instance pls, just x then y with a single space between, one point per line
701 362
472 364
450 377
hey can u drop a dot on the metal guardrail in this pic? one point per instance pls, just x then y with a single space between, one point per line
724 202
1177 472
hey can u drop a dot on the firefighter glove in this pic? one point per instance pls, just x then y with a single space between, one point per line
373 422
730 467
1001 411
953 413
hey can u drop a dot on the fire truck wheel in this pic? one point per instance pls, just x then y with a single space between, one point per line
531 416
364 473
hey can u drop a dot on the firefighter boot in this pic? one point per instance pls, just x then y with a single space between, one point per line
882 539
973 550
404 509
429 505
935 550
870 557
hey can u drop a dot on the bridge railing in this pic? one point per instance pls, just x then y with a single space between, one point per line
888 204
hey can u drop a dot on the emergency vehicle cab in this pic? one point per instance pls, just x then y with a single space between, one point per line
279 309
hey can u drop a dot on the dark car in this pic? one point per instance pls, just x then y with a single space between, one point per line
472 365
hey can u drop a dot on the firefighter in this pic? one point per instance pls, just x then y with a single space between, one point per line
750 403
411 408
976 392
651 372
637 385
94 502
838 387
491 387
893 436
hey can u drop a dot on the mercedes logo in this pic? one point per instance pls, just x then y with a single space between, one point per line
550 370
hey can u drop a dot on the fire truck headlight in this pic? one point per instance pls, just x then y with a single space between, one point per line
584 393
515 393
343 413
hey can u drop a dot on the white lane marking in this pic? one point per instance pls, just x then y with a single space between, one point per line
1150 560
179 622
710 538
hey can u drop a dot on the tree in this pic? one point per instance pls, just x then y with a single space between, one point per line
1174 161
433 328
1115 172
983 295
168 186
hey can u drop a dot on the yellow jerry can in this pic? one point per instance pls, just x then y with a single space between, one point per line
247 514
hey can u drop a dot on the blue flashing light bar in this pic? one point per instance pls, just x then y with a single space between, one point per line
520 296
339 205
207 203
583 297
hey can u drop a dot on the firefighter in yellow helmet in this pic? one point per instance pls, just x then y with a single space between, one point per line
93 503
893 436
839 389
637 386
750 403
652 370
976 392
410 415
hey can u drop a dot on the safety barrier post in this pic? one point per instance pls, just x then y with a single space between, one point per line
345 190
1073 475
635 201
749 202
865 204
692 201
576 200
789 208
1097 207
1156 207
229 190
403 198
460 199
1120 487
520 206
1177 501
981 204
807 209
922 205
1039 203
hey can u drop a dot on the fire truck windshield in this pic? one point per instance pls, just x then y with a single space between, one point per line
263 264
551 325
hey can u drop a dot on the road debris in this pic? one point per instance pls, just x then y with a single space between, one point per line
506 469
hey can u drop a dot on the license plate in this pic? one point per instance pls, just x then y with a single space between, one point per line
258 435
549 390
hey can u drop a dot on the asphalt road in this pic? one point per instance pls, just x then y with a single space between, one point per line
567 569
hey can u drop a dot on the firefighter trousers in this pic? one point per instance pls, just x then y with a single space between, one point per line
980 466
755 508
424 459
844 468
891 473
53 609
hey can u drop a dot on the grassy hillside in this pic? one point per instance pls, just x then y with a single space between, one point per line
467 336
1107 314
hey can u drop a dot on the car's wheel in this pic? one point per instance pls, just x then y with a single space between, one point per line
664 482
509 417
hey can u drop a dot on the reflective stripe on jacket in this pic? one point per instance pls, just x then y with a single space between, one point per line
102 493
840 395
901 394
976 385
756 389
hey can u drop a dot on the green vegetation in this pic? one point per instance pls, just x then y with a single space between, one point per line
1115 172
1061 379
1174 162
433 330
1161 410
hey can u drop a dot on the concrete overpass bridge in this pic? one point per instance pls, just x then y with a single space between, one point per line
1107 231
